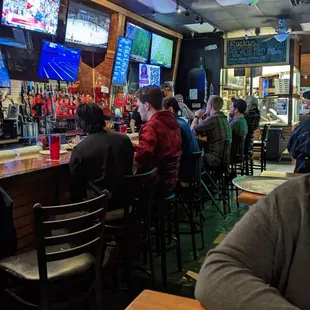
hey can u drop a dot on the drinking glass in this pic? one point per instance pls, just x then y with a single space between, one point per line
54 143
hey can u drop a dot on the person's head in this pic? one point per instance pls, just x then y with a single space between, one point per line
171 104
238 107
90 117
215 104
150 99
143 69
179 98
251 101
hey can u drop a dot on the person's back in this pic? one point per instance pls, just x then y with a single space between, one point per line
100 161
160 137
189 141
299 146
252 116
263 263
216 129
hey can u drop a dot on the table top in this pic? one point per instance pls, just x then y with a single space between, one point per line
34 162
151 300
251 198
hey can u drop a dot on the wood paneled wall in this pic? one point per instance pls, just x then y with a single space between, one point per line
305 64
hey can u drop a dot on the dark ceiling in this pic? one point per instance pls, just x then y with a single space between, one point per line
228 18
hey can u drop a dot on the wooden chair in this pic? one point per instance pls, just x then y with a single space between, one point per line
63 263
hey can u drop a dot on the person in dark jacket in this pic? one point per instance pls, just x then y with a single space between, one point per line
299 146
189 141
252 116
160 138
101 160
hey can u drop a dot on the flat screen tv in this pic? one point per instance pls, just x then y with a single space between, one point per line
161 51
121 62
141 41
36 15
86 26
149 75
4 75
59 62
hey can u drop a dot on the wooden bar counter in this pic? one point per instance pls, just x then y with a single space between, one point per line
29 180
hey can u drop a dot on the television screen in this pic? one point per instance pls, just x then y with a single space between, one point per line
4 76
149 75
161 51
86 26
121 61
59 62
141 41
36 15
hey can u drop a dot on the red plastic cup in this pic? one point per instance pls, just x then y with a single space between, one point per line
123 129
54 143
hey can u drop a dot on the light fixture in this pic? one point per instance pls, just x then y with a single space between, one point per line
281 37
153 14
246 37
201 21
178 10
306 76
197 19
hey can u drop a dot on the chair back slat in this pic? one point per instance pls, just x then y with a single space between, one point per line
70 223
79 233
74 251
194 161
237 150
73 237
265 132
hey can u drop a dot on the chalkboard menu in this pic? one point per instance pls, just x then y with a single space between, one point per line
255 52
121 61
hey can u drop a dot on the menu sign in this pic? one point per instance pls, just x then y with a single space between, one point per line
255 52
121 62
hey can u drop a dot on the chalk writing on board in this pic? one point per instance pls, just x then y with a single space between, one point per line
255 51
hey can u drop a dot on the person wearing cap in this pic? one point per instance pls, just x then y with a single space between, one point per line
216 128
186 112
238 123
252 116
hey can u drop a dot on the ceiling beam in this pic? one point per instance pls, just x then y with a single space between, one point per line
140 19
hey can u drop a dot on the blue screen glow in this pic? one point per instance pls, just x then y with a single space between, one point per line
59 62
121 62
4 76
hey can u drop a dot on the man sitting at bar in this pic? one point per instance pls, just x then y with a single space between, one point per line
215 128
252 116
101 160
238 124
263 263
299 146
184 109
189 141
160 138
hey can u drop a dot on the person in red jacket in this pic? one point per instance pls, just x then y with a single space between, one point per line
160 138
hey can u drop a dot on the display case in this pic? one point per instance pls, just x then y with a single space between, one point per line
275 110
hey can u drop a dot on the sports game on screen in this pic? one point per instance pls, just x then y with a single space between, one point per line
141 39
4 76
59 62
36 15
149 75
161 51
86 26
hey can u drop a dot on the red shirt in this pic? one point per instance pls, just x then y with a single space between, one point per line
159 138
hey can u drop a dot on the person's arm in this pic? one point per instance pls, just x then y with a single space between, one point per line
132 125
239 273
77 185
293 143
147 145
189 112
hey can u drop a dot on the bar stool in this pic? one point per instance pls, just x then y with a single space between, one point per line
67 262
167 213
237 160
191 200
132 225
261 146
217 178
